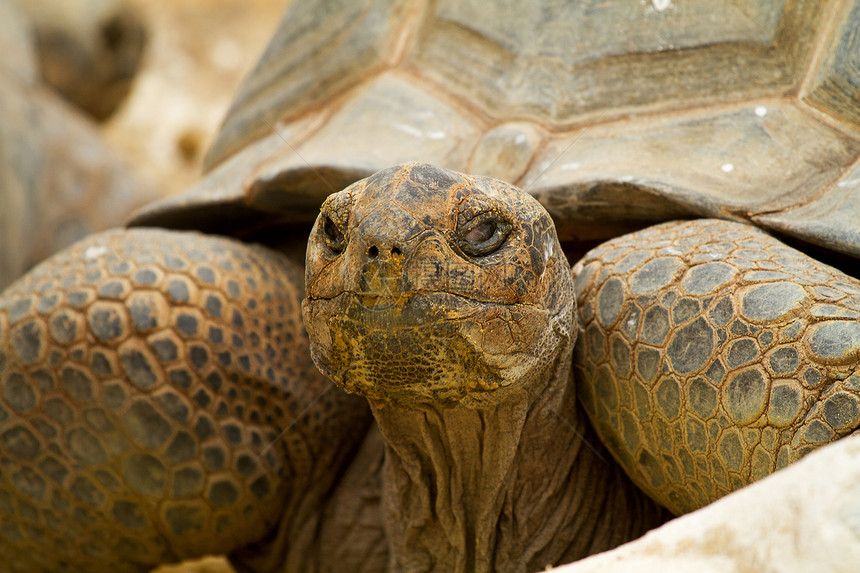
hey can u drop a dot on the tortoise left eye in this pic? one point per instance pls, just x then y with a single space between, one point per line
483 236
481 233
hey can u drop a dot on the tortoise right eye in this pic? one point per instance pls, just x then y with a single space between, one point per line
334 237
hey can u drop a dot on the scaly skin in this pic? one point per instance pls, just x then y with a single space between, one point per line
712 355
157 402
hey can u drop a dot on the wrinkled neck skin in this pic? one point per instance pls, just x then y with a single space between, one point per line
510 487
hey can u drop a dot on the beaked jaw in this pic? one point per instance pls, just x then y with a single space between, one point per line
402 314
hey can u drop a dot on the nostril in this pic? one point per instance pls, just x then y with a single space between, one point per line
395 251
372 252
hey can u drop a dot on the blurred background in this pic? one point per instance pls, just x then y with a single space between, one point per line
106 105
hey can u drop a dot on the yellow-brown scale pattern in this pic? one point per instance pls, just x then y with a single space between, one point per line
711 355
157 401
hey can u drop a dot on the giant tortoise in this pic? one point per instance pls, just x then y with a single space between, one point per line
53 162
159 399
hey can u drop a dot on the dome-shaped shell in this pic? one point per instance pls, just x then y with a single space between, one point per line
613 114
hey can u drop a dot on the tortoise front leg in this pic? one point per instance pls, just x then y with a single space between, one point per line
157 402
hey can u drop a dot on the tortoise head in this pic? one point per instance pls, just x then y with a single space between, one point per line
427 285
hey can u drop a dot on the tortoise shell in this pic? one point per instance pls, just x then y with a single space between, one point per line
615 115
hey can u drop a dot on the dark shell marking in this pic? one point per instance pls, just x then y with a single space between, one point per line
716 356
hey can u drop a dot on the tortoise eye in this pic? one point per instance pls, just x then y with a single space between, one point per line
483 235
334 237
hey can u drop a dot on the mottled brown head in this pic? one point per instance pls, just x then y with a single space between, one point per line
427 285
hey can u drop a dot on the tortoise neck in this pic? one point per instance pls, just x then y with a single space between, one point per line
513 486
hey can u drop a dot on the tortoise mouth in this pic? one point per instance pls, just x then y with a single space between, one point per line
435 347
414 307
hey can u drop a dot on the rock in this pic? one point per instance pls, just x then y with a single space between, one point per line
803 518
